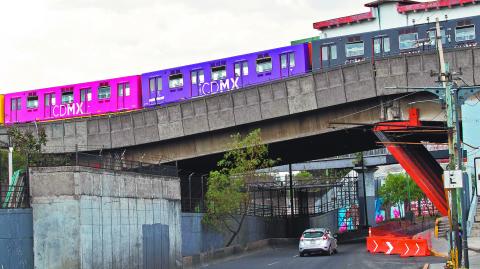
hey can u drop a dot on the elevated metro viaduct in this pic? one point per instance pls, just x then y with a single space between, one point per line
314 116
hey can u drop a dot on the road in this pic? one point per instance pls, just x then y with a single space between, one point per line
349 256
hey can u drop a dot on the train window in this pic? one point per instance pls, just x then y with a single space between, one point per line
329 52
407 41
32 102
333 52
283 60
381 44
67 97
264 64
123 89
155 81
104 92
175 81
431 37
198 77
241 69
219 72
291 58
151 82
465 33
85 94
49 99
325 54
354 49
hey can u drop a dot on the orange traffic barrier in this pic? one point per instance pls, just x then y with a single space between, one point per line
403 246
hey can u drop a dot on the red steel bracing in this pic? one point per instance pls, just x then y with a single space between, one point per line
343 20
416 160
433 5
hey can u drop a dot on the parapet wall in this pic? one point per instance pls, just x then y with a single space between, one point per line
91 218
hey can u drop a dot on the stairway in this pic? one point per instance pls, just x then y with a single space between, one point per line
476 224
443 226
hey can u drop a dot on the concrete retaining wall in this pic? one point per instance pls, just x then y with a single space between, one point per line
198 238
90 218
328 220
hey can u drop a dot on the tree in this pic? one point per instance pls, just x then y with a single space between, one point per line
303 176
27 145
399 187
227 197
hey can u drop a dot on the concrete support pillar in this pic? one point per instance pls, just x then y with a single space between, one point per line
366 195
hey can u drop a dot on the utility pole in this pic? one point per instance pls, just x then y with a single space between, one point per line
454 164
450 93
456 196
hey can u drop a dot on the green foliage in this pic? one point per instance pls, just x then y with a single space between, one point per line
399 188
227 194
303 176
27 145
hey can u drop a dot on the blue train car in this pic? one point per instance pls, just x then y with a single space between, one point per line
336 51
181 83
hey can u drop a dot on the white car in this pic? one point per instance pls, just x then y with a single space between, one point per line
317 240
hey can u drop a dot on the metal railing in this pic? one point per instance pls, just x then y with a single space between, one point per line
14 196
105 162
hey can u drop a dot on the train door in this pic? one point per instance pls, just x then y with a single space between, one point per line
381 46
287 63
85 98
197 80
49 104
123 90
328 55
155 91
241 72
16 105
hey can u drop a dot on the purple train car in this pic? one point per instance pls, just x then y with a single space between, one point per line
77 100
181 83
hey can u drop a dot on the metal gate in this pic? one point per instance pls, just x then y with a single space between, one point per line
16 239
156 246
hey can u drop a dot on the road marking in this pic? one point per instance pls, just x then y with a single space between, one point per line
390 248
408 249
295 256
273 263
376 246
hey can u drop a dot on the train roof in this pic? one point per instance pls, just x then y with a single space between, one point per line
234 58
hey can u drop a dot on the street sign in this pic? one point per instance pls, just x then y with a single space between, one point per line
453 179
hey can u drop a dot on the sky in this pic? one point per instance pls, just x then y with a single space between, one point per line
56 42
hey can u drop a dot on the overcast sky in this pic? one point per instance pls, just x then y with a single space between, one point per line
55 42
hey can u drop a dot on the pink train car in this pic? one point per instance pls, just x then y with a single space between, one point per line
77 100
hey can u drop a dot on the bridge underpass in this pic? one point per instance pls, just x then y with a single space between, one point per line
303 118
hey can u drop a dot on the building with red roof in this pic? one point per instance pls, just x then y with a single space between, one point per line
388 14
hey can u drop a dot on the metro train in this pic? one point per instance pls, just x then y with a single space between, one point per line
173 85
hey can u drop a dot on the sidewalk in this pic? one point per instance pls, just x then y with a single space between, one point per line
440 248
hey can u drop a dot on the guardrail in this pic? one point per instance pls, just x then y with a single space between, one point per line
105 162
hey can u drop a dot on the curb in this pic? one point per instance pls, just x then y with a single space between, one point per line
438 254
205 258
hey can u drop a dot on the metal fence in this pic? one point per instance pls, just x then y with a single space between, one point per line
309 198
105 162
17 195
274 198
